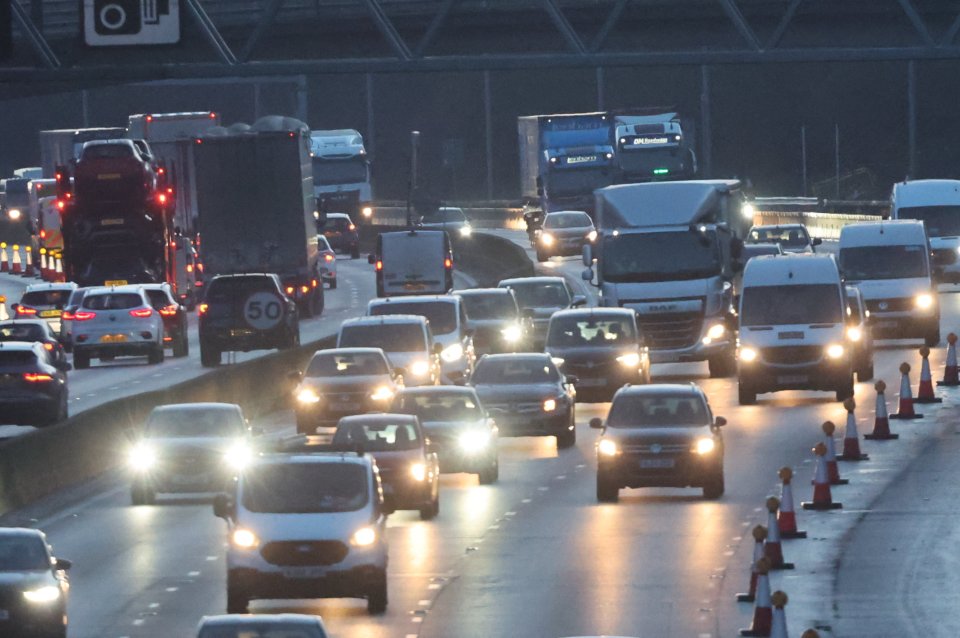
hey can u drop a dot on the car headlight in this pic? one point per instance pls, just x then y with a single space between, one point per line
549 405
420 368
466 231
557 361
142 457
834 351
705 445
748 355
14 214
364 537
238 456
367 211
418 471
474 441
383 393
512 333
924 301
308 395
607 447
45 594
592 235
547 239
854 333
452 353
748 211
629 360
244 538
716 331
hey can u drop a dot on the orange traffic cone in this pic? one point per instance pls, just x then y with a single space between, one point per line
772 548
16 266
787 517
822 500
833 470
811 633
779 624
951 374
881 424
762 610
925 389
759 535
4 259
28 266
851 438
905 409
44 267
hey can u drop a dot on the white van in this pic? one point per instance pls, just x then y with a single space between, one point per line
414 262
792 327
935 202
889 261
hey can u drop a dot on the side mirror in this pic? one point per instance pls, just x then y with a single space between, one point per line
371 259
587 274
587 256
816 241
62 564
577 301
571 379
596 423
222 507
719 422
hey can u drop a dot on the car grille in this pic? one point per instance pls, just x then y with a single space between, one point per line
589 368
193 462
664 448
671 331
526 407
902 304
290 553
792 355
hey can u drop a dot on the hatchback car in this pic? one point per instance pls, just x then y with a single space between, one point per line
342 235
406 340
44 301
114 322
409 472
188 448
173 314
659 436
261 626
859 334
450 219
459 430
792 238
343 381
33 391
564 233
527 396
539 298
35 330
494 317
33 585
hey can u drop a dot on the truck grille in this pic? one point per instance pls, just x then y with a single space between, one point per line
793 355
294 553
671 331
902 304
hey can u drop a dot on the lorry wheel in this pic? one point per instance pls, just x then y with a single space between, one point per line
237 600
181 348
156 356
714 488
845 391
745 395
865 373
932 338
81 360
723 365
377 596
209 356
566 439
607 491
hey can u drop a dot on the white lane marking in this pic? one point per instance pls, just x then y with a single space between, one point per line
527 500
543 489
211 558
509 513
172 589
193 574
417 619
434 586
494 527
423 603
138 622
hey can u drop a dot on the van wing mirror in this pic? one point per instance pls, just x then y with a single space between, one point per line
371 259
719 422
816 241
222 508
596 423
577 301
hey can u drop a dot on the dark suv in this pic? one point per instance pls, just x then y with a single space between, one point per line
342 234
246 312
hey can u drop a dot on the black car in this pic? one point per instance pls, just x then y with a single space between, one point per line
33 391
659 436
174 317
246 312
602 347
564 233
33 586
527 396
38 330
539 298
343 381
494 317
342 235
459 429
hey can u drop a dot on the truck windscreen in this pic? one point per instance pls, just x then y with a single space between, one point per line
671 256
339 171
940 221
790 305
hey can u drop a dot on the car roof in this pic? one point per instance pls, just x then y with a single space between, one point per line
882 233
382 319
563 212
384 301
229 620
655 389
389 417
791 268
926 192
596 311
24 322
281 458
337 216
106 290
20 346
507 356
239 275
161 286
531 280
438 390
477 292
357 350
776 226
21 532
63 285
183 407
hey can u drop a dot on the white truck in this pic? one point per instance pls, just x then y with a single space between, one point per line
935 202
341 173
670 251
653 145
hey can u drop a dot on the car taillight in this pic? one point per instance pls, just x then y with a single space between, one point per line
352 227
304 289
200 266
168 311
36 377
379 265
83 315
202 308
67 315
141 313
448 263
48 347
25 310
290 290
189 267
329 257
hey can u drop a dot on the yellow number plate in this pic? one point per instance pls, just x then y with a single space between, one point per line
113 338
51 313
115 282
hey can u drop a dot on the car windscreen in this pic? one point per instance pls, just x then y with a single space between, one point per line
305 488
330 364
640 410
460 406
514 371
600 332
442 315
194 423
790 236
23 553
112 301
340 224
238 288
39 298
940 221
667 256
567 220
378 435
22 332
883 262
493 306
392 337
248 629
17 358
541 294
796 304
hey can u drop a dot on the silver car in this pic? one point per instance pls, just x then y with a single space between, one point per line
111 322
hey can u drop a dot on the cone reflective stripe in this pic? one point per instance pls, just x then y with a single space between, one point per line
881 423
951 375
925 389
4 258
58 270
16 265
851 438
787 517
778 627
44 265
759 535
905 409
822 499
762 609
28 264
830 458
772 548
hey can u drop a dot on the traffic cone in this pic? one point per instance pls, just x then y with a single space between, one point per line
951 375
822 500
779 624
44 267
58 270
759 535
811 633
4 259
28 266
16 266
3 308
905 409
833 470
787 517
772 548
881 423
851 438
762 610
925 389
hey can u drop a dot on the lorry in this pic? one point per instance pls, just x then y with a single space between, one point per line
61 147
670 251
653 144
256 204
341 173
564 158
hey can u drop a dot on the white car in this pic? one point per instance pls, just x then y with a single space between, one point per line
328 262
792 238
44 301
111 322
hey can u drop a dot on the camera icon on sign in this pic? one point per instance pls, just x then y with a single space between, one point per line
117 17
131 21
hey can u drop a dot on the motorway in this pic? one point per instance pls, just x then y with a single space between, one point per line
533 555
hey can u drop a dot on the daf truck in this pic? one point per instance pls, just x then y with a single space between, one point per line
653 145
341 173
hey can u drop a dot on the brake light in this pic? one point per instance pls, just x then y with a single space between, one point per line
189 267
304 289
448 263
313 282
161 198
379 265
290 290
36 377
169 311
328 257
212 115
202 308
61 204
43 234
352 227
25 310
83 315
48 347
141 313
67 315
200 266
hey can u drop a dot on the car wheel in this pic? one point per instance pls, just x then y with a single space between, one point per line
541 257
141 494
181 347
746 395
567 439
430 511
865 373
81 360
237 600
63 410
209 356
714 488
845 391
933 338
489 474
156 356
377 596
607 491
723 365
355 252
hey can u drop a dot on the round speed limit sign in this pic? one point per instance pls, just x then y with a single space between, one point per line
262 310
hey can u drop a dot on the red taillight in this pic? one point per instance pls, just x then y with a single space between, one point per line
149 118
202 308
290 290
43 234
61 204
36 377
161 171
48 347
25 310
141 313
304 289
313 282
329 257
67 315
213 115
448 263
161 198
168 311
379 265
83 315
200 266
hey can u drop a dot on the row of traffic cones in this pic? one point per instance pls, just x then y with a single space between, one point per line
50 267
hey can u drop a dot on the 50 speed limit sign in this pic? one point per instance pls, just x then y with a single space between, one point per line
262 310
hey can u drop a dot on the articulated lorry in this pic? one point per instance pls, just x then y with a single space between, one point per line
670 251
61 147
341 173
255 205
653 145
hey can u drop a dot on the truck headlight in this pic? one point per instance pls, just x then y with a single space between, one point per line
924 301
14 214
547 239
854 333
607 447
364 537
474 441
308 395
835 351
142 457
452 353
549 405
629 360
383 393
466 231
512 334
420 368
45 594
748 211
716 331
418 471
748 355
244 538
238 456
705 445
367 212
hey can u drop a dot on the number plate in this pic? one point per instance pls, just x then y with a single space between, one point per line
345 406
240 332
885 324
656 464
115 282
303 572
792 378
51 313
591 383
113 338
4 614
413 286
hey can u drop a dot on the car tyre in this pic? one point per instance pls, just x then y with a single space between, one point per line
156 356
377 596
431 511
845 391
181 347
209 356
607 491
746 395
237 600
567 439
141 494
81 360
865 373
933 338
714 488
722 365
489 474
355 251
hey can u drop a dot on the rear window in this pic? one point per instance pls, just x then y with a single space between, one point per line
442 315
230 288
343 365
378 436
22 332
112 301
38 298
17 358
107 151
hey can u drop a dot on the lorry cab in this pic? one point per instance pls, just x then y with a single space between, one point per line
890 262
652 146
414 262
936 203
793 327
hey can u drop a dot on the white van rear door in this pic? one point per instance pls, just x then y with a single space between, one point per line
413 264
